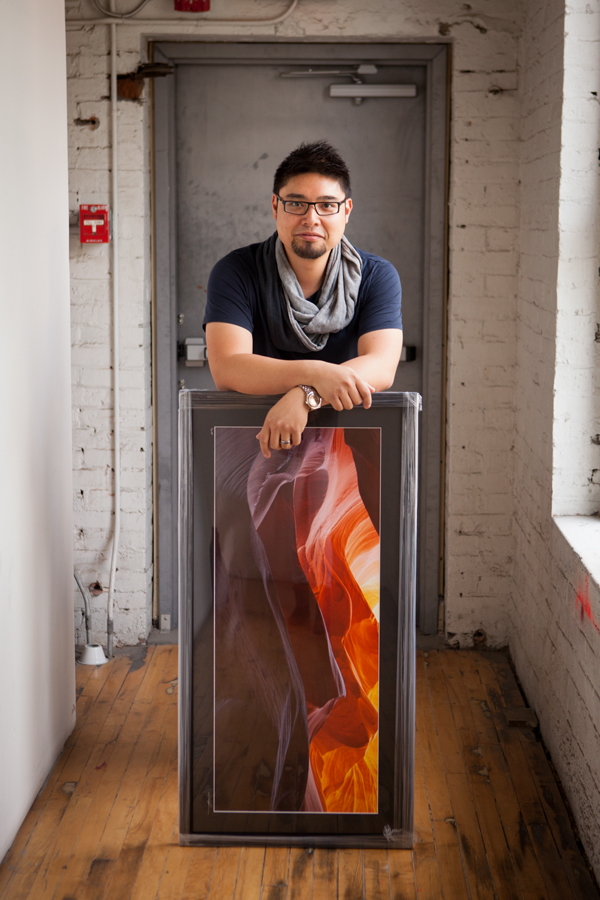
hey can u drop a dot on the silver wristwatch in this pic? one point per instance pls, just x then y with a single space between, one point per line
312 399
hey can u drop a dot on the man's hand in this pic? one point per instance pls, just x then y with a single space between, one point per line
342 387
285 421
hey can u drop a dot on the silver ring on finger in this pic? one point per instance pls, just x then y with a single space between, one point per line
284 443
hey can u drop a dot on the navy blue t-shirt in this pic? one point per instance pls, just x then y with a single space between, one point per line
234 298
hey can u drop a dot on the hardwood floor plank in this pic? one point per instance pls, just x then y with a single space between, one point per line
427 872
377 875
125 727
423 824
85 735
20 868
429 748
518 838
350 874
199 874
402 875
551 865
164 669
175 871
162 834
486 763
42 879
464 867
498 852
529 799
558 819
500 858
462 713
28 830
96 882
450 860
325 874
130 790
504 676
166 743
224 876
32 842
275 873
250 869
132 851
479 876
82 676
559 880
134 810
464 665
300 878
444 719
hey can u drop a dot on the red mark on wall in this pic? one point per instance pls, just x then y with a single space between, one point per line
583 605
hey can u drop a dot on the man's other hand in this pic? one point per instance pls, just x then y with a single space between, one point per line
284 422
342 387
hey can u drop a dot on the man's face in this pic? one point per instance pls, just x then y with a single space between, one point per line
310 236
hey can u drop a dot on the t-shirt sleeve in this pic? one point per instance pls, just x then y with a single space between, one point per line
228 293
381 305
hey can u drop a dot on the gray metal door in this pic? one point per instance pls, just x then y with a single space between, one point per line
224 121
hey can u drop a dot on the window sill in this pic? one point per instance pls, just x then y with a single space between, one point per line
583 535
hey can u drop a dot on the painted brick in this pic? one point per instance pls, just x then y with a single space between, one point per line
483 285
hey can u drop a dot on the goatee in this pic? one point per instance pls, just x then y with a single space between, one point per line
308 249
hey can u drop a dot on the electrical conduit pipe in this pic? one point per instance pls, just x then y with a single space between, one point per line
116 348
113 21
176 20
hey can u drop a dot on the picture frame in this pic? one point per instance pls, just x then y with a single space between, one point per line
297 594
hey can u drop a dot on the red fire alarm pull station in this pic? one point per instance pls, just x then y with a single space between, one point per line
192 5
94 224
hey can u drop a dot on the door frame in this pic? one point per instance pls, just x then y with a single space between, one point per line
258 50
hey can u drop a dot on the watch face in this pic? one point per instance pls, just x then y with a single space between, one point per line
312 401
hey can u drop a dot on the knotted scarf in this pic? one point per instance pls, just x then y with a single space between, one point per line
296 324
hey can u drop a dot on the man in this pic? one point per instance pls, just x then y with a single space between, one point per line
304 314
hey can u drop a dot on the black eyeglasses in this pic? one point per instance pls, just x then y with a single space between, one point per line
322 207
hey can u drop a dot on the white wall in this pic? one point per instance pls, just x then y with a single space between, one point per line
576 467
91 315
37 666
555 606
483 264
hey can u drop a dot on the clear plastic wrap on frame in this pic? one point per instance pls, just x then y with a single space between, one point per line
324 779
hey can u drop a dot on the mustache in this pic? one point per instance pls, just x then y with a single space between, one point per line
306 250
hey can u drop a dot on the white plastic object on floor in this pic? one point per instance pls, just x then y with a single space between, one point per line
93 655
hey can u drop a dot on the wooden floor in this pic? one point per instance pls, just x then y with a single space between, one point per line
489 815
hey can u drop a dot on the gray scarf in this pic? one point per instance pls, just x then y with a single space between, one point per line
295 323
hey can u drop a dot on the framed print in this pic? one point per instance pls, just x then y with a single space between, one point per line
297 625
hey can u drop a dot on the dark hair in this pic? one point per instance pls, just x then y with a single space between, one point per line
318 157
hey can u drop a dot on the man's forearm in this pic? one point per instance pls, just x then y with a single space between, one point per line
377 372
378 357
249 373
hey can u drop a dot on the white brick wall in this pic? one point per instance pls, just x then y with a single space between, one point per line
577 405
91 305
484 221
556 651
483 263
523 294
